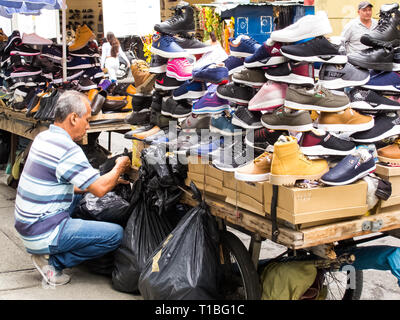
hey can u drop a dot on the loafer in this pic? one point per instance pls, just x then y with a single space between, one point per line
98 101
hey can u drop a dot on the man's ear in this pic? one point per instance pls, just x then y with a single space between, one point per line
72 118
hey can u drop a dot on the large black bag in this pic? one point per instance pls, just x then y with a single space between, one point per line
186 265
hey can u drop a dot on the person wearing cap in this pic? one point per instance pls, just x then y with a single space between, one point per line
357 27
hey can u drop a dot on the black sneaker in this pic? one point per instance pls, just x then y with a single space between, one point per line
317 143
386 125
85 84
386 33
156 100
166 83
175 109
158 64
262 138
181 22
235 93
192 45
369 100
233 157
373 58
22 49
13 39
318 49
247 119
85 52
137 118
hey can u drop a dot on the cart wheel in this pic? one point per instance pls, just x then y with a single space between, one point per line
344 285
240 280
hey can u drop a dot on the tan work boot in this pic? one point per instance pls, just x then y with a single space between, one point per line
256 170
290 164
390 154
144 80
49 274
82 36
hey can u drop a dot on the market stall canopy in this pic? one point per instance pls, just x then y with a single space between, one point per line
29 7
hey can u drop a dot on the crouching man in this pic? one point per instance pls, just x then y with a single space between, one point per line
55 174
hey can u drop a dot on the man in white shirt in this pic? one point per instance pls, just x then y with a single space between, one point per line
357 27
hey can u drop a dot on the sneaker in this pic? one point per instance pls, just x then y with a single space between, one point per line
265 56
386 125
175 109
282 119
193 46
34 39
165 46
301 73
243 46
384 81
22 49
348 120
235 93
205 148
318 49
94 73
196 123
83 35
210 103
309 26
222 124
190 90
321 143
85 84
254 78
353 167
181 22
373 58
25 71
159 120
369 100
156 100
257 170
213 73
386 33
49 274
233 157
166 83
246 119
271 96
262 138
78 63
85 52
234 64
138 118
318 99
53 52
180 69
158 64
336 76
396 59
13 39
390 154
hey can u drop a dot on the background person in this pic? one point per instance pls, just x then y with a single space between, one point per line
110 53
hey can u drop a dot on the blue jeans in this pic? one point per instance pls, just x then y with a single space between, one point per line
80 240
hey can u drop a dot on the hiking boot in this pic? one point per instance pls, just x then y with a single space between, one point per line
318 99
270 96
256 170
254 78
140 72
373 58
181 22
386 33
347 121
82 36
49 274
283 119
289 163
390 154
301 73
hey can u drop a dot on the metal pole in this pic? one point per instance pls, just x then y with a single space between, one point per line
64 40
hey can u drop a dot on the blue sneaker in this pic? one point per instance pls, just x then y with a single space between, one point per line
223 125
234 64
384 81
53 52
165 46
212 73
350 169
265 56
94 73
210 103
79 63
243 46
190 90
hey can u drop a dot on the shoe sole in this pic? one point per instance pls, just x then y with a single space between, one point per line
237 122
159 69
252 177
210 110
340 83
321 151
234 70
301 128
392 132
45 277
164 88
251 144
25 54
382 88
176 116
25 74
290 180
371 42
334 59
223 81
198 50
169 55
178 77
291 78
267 105
248 83
299 106
272 61
240 54
236 132
389 160
233 99
372 65
347 127
359 176
363 105
293 38
190 95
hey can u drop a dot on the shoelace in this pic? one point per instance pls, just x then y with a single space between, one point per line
384 21
178 15
262 157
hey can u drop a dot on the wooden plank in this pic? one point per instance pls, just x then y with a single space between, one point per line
109 116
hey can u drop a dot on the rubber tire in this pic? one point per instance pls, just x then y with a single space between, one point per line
249 275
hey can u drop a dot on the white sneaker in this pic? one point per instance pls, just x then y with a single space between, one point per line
49 274
308 26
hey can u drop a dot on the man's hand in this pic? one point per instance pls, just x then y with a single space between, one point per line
123 163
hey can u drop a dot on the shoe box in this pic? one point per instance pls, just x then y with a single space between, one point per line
307 207
391 174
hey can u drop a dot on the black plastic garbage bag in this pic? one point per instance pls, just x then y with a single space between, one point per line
109 208
186 265
5 144
103 265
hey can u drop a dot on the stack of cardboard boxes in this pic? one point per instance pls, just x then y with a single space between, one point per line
391 174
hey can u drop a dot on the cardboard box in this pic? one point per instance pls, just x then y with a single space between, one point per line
300 206
391 174
244 201
201 168
213 185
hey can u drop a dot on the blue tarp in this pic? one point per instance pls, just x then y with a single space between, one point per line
28 7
